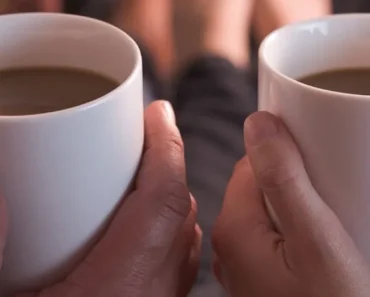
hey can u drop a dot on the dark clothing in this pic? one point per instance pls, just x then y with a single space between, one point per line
212 101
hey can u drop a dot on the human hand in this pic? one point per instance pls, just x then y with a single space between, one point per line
311 255
152 246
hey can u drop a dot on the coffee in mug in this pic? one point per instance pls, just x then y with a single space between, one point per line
36 90
350 81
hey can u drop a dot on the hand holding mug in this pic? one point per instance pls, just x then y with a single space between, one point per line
312 255
327 114
151 248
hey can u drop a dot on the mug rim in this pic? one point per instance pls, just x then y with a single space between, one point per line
134 72
300 25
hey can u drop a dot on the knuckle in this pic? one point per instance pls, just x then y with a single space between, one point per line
277 176
174 143
176 201
170 143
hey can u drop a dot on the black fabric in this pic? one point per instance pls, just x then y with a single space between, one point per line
365 6
99 9
151 79
212 101
74 6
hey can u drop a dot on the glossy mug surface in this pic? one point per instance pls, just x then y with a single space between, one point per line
332 129
64 173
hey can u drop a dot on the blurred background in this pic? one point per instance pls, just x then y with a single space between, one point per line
164 33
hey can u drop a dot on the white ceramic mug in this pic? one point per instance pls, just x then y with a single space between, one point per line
332 129
64 173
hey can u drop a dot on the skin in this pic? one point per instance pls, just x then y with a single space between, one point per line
13 6
270 15
311 255
217 27
151 23
152 246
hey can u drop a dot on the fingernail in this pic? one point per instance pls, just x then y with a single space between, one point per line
169 111
259 127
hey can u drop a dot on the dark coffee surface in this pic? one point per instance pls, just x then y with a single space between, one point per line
352 81
25 91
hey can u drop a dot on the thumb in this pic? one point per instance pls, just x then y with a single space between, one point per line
280 173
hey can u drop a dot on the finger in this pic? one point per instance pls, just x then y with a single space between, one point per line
183 243
162 176
186 238
181 250
195 254
176 273
192 264
243 216
243 213
163 145
244 237
281 174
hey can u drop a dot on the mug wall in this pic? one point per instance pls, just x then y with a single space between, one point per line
64 173
67 41
333 43
331 129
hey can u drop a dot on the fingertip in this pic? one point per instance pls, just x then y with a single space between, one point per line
196 246
259 127
167 106
163 108
160 125
194 204
198 232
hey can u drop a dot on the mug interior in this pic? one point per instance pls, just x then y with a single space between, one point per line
334 42
60 40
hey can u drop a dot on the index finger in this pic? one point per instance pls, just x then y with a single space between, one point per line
243 214
244 238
